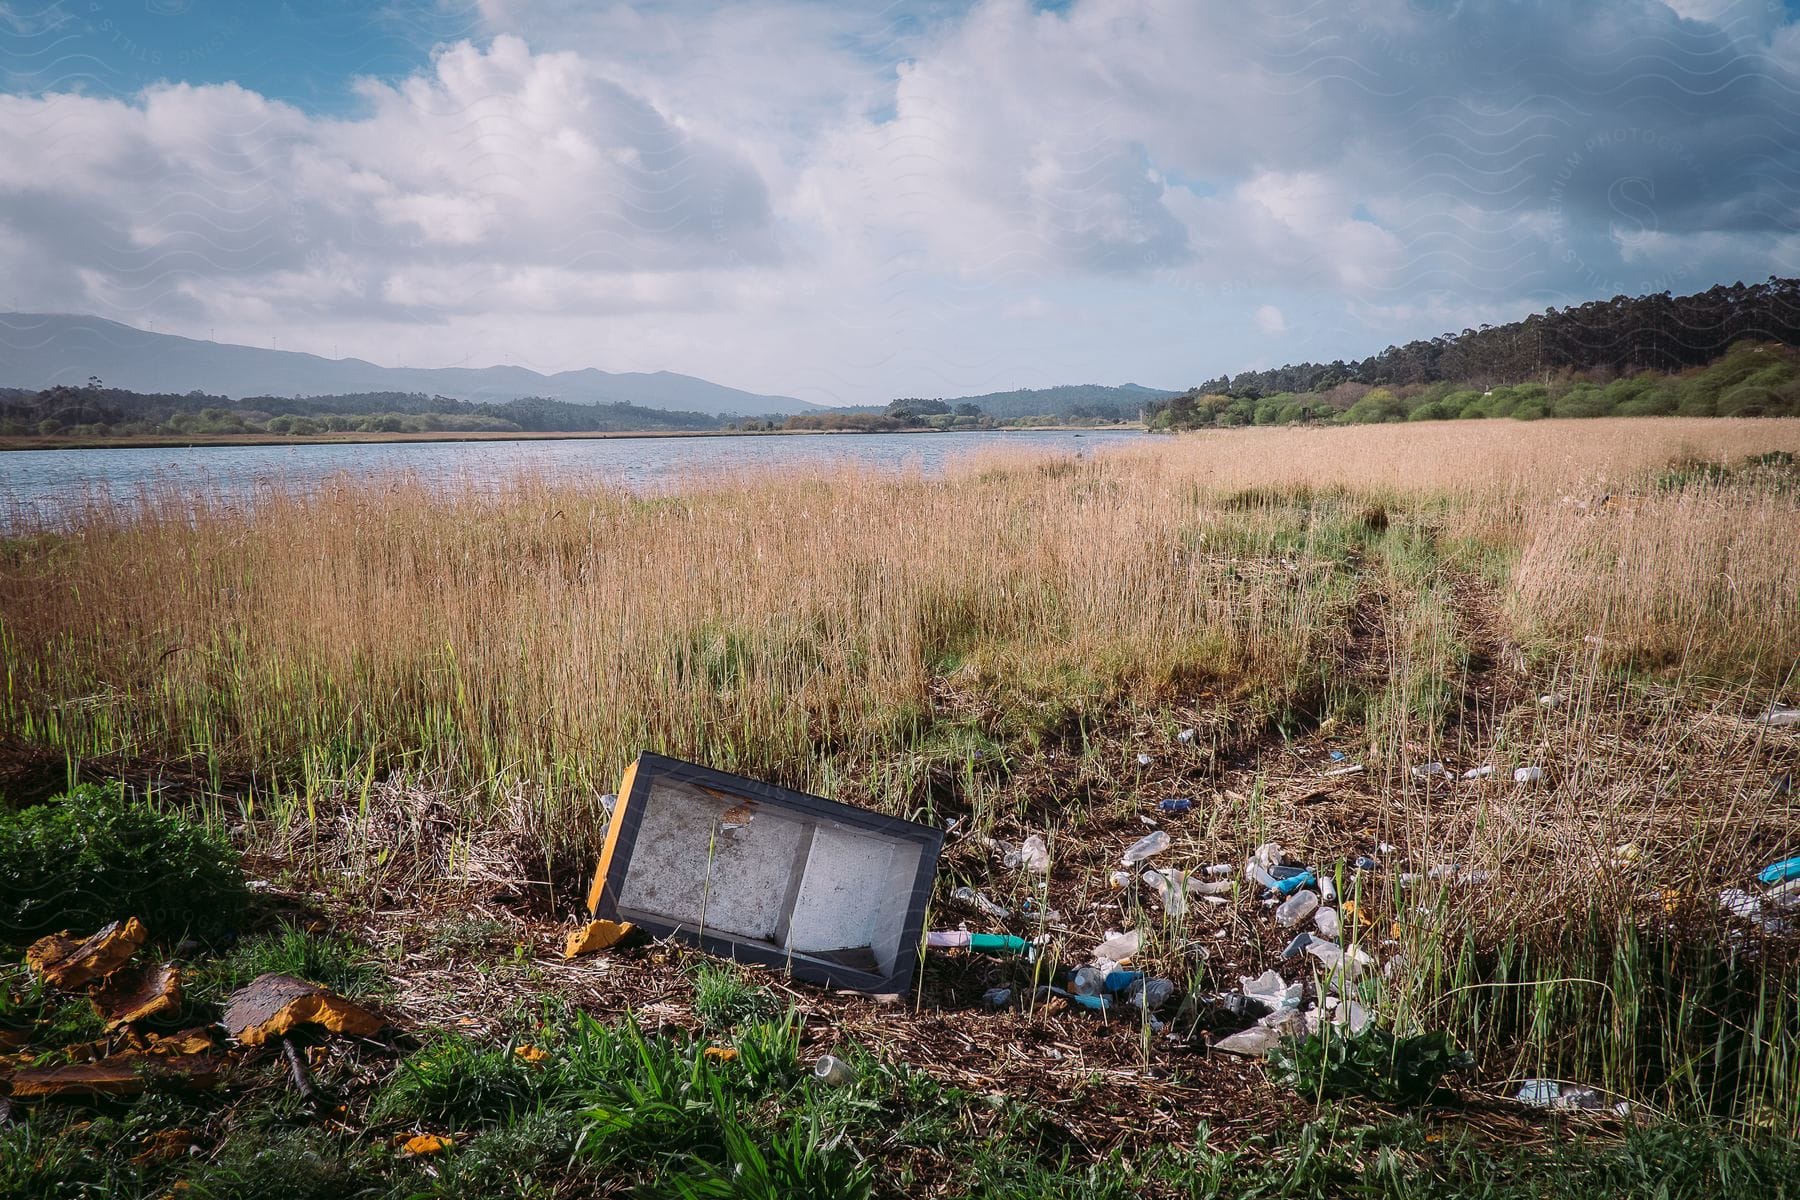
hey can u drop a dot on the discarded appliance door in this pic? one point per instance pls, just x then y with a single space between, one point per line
761 874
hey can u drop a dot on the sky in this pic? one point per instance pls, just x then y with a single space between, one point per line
850 202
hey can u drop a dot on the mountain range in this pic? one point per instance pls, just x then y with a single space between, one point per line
41 350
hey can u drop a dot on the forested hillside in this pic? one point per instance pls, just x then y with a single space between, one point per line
99 411
1724 352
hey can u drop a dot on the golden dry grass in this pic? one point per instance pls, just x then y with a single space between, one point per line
1001 642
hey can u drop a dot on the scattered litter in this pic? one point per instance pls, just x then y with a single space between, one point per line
981 903
70 964
425 1144
1296 908
1176 806
1478 773
1740 903
849 909
275 1005
609 802
1528 775
1146 847
1548 1093
1298 946
1032 854
530 1054
833 1071
1119 880
962 939
1185 737
1781 714
1288 884
1364 863
1780 872
1143 760
721 1054
1430 770
1119 947
1150 994
1547 701
1626 855
1219 870
596 936
1254 1042
1335 772
1335 959
1327 890
1328 923
1386 847
1271 991
1337 756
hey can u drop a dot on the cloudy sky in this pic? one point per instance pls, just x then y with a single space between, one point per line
847 202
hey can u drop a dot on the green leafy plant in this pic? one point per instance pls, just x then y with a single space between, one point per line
94 855
1373 1064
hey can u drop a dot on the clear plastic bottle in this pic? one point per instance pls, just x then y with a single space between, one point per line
1297 908
1087 981
1118 947
1146 847
1328 922
1151 994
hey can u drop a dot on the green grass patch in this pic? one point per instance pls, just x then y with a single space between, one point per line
94 855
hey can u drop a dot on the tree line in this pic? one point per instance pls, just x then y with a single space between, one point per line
95 410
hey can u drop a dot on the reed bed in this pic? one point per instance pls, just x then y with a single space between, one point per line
1000 642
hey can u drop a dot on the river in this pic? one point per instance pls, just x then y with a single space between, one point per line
42 485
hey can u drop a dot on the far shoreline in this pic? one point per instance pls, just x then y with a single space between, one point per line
171 442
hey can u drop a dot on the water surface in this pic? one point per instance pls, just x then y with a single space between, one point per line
41 485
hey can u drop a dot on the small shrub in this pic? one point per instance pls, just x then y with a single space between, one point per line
1373 1064
93 856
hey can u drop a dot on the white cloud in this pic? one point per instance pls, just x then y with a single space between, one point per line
849 202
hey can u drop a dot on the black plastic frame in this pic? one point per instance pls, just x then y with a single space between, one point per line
630 815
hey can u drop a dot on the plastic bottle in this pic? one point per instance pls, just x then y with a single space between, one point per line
1150 994
1327 890
1220 870
1176 806
1296 908
1119 947
969 895
1430 770
1145 847
1529 775
833 1071
1087 981
1328 922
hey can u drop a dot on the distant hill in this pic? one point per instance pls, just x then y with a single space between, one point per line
101 412
1077 401
1626 334
39 351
